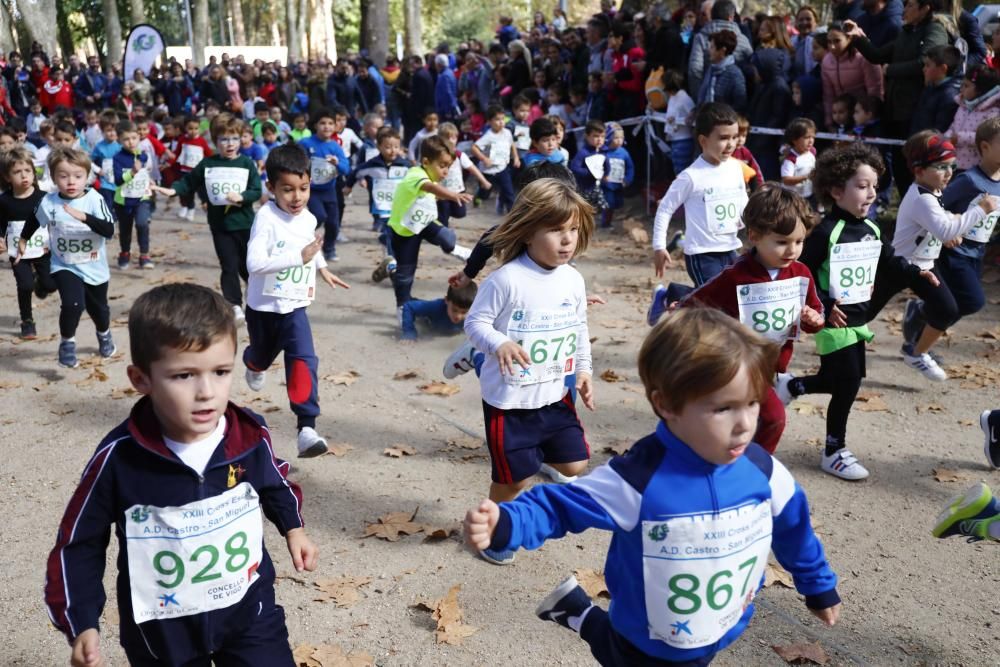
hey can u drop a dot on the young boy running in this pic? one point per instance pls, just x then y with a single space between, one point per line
496 152
133 195
283 259
183 481
694 508
328 162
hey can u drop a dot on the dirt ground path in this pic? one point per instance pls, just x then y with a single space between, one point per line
908 599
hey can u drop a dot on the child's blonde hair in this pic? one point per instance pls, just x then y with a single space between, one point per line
70 155
8 159
448 130
542 204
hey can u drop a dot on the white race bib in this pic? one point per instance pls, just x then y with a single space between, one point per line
499 154
928 249
422 213
616 170
321 172
522 137
298 283
194 558
595 165
397 173
108 169
220 181
852 270
773 309
723 209
138 187
34 247
983 230
700 572
383 190
74 242
453 180
550 339
191 155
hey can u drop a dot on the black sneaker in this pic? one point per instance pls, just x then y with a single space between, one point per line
28 331
989 421
568 600
677 241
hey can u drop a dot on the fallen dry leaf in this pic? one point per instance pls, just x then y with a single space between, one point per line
946 475
399 451
327 655
447 613
871 402
639 235
465 442
775 574
120 393
933 407
9 384
439 532
408 374
346 378
342 591
618 448
394 524
593 583
612 376
990 334
804 408
814 442
338 449
802 653
436 388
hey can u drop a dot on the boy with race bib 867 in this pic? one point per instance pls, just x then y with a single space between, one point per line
183 481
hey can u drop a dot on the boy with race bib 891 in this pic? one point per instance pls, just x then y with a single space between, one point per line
694 508
283 259
185 481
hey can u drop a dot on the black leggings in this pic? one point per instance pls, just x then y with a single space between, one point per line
231 249
940 310
77 296
29 275
840 374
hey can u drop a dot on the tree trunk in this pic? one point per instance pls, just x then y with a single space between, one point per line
199 26
414 39
39 25
239 30
375 38
112 33
137 12
6 35
305 39
292 35
322 41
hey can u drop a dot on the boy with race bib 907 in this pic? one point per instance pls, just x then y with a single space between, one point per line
694 508
283 259
185 481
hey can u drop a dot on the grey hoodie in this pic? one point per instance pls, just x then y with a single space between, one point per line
698 62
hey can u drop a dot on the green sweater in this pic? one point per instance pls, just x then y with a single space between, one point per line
227 217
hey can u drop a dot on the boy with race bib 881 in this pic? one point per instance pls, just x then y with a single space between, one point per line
283 259
183 481
694 508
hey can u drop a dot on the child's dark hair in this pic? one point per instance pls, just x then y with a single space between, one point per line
713 114
545 169
177 316
775 209
339 110
944 54
434 147
494 110
428 112
820 38
870 104
847 100
594 127
462 297
518 101
260 106
17 124
724 40
9 131
268 126
541 128
836 166
126 126
386 132
983 78
319 115
67 127
288 159
673 81
559 88
798 128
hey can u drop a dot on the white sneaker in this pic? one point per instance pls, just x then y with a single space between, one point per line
311 444
341 238
182 213
926 365
555 475
781 382
460 361
239 315
255 379
844 465
189 215
462 252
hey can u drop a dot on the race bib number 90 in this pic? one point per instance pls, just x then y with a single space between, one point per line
723 210
194 558
852 270
551 341
773 309
701 572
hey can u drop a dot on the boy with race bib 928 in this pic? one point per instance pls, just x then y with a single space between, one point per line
186 481
284 258
694 508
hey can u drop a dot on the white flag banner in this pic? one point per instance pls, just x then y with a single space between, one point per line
143 47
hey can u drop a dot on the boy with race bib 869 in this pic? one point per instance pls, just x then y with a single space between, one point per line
694 508
183 481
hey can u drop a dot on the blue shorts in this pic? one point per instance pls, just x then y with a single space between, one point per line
521 440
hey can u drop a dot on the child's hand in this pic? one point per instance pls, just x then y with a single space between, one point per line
837 318
480 523
661 260
595 299
87 649
585 387
234 197
3 246
811 317
166 192
517 162
954 243
309 251
22 245
74 213
332 280
459 280
463 197
930 277
511 352
988 204
332 159
304 551
829 616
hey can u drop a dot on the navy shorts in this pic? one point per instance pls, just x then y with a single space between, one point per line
521 440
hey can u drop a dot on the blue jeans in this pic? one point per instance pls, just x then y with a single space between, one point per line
705 266
681 152
504 187
137 215
448 210
325 205
406 250
962 273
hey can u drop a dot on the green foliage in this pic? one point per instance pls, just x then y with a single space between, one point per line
347 23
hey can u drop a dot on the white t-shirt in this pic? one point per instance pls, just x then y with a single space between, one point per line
518 294
800 165
679 107
922 225
701 189
196 455
455 179
274 260
350 141
496 146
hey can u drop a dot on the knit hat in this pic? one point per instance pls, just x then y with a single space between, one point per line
938 149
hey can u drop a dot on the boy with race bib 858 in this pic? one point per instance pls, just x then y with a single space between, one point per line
694 508
183 481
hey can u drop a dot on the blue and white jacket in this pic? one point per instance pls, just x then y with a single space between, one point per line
659 491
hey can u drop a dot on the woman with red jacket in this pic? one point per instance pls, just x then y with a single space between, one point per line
56 92
624 79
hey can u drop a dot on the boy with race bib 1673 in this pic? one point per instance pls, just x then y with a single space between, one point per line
694 508
186 481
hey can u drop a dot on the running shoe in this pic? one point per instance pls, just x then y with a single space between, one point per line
311 443
460 361
106 344
67 354
28 330
555 475
497 556
124 259
782 388
923 363
969 514
145 262
255 379
989 421
239 315
657 306
567 601
843 464
913 321
384 269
